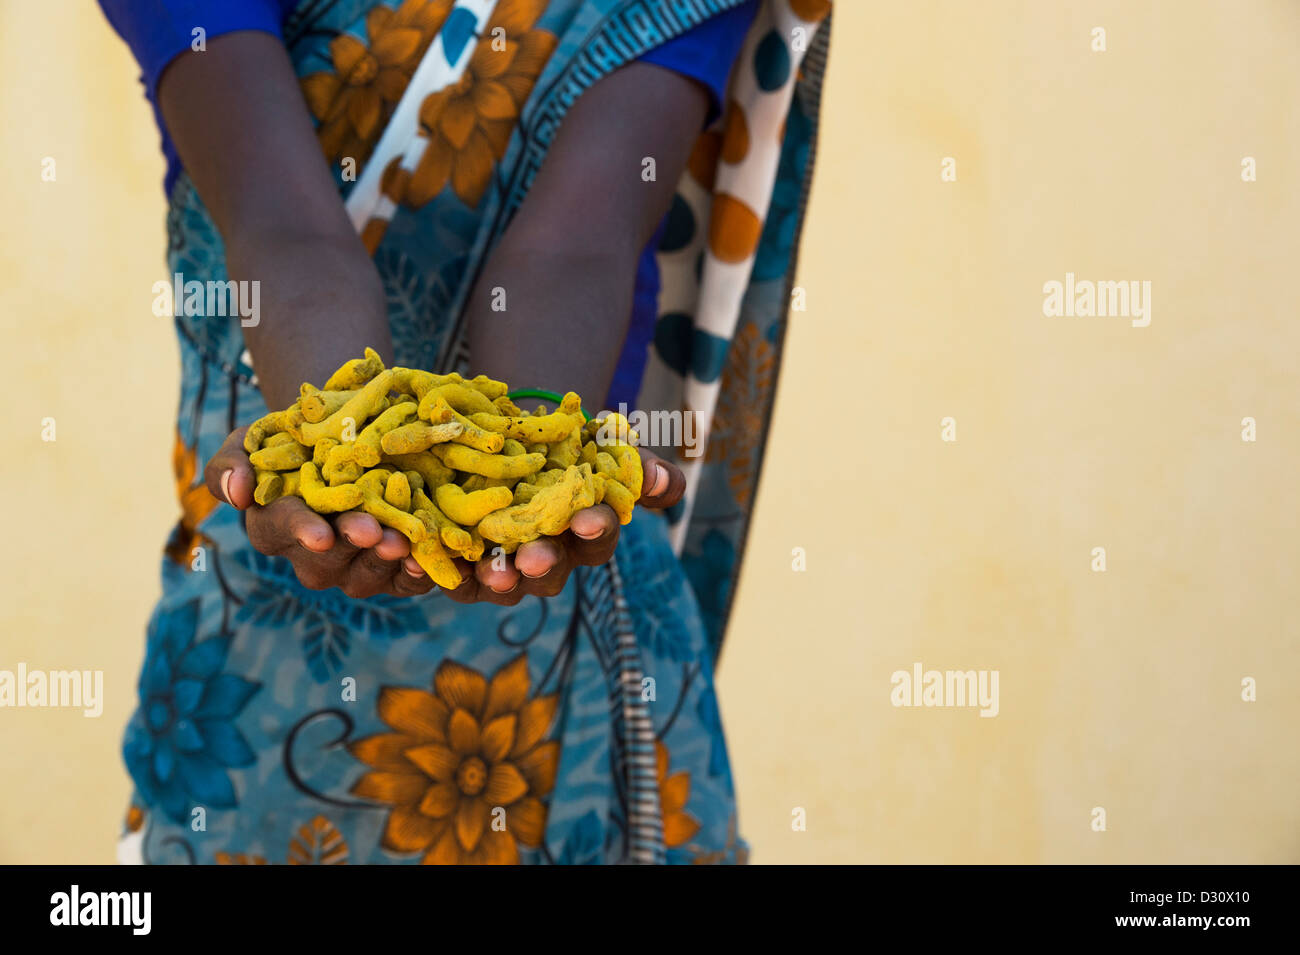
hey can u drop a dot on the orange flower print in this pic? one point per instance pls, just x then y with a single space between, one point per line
354 99
457 756
239 858
810 11
674 791
737 432
468 124
732 850
318 842
196 502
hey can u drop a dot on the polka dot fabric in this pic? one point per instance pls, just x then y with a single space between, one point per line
752 162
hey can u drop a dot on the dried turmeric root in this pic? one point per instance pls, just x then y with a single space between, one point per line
324 499
490 388
433 471
416 383
460 458
368 447
448 531
397 491
275 440
565 452
619 498
356 372
620 469
460 397
372 485
270 485
629 472
283 456
435 562
548 512
468 509
352 416
530 428
476 437
417 436
452 464
340 467
273 423
318 405
476 545
507 408
270 491
612 428
320 454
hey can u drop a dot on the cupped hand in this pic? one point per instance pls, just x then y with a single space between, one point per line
541 568
362 558
352 551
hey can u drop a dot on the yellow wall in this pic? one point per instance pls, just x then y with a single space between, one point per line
1118 689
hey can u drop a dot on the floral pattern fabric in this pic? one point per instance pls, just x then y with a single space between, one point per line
277 724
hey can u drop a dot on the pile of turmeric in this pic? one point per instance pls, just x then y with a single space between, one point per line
452 463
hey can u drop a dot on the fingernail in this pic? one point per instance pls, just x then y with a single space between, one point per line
660 482
590 537
504 592
225 484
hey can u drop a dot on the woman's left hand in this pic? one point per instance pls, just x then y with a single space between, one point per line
541 568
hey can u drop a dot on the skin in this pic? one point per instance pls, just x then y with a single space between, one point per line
243 132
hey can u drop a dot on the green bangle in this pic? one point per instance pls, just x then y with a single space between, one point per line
548 395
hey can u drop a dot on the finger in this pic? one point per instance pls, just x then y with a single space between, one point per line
392 545
544 566
286 525
369 574
536 558
228 474
411 580
358 529
467 592
474 591
593 535
495 579
664 481
321 571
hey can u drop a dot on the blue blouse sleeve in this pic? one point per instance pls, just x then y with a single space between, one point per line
706 53
158 31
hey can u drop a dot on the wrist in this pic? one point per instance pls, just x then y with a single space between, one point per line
322 303
265 250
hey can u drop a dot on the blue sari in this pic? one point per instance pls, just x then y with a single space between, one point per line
278 724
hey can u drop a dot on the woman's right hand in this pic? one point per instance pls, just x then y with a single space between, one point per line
353 552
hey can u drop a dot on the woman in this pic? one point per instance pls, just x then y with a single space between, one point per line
497 180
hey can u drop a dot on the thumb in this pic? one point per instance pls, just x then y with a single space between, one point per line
229 475
664 481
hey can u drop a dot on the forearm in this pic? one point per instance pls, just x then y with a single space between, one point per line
566 266
563 323
321 304
243 131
